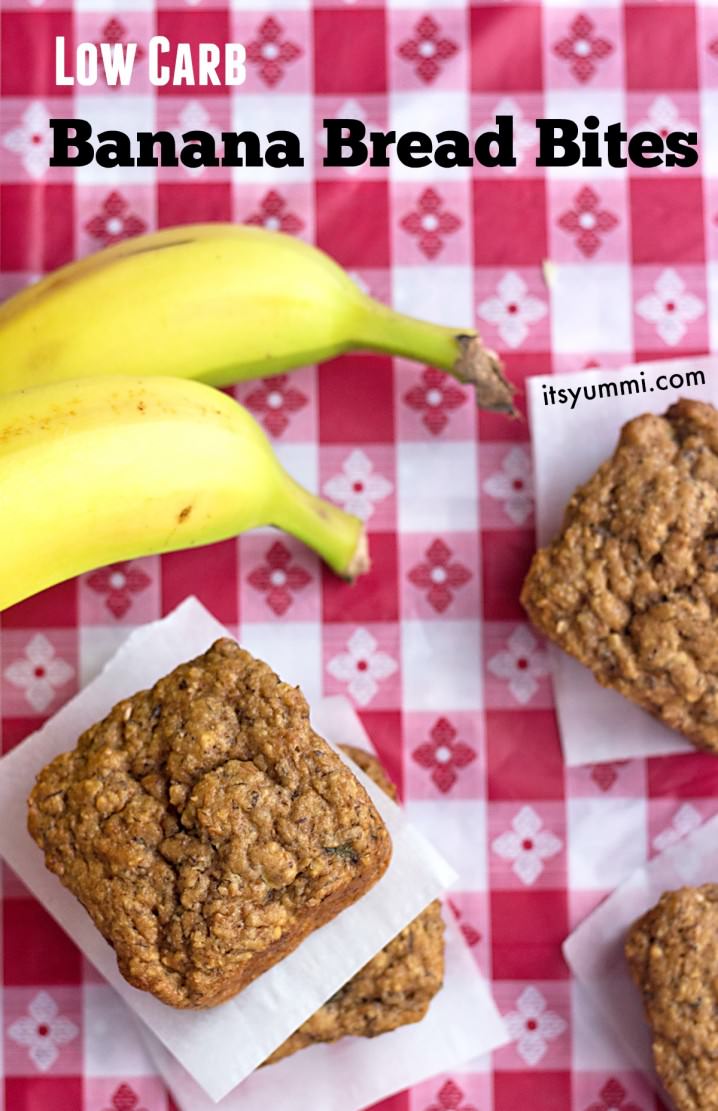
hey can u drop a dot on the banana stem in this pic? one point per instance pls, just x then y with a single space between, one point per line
460 352
338 537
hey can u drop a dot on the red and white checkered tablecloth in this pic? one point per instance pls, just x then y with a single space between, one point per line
432 646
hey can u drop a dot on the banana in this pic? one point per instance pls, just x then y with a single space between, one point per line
109 469
219 303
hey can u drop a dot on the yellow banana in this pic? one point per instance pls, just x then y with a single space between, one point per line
219 303
109 469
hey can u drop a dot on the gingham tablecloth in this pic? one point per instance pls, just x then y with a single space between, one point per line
432 647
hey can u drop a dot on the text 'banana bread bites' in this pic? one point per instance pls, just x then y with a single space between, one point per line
206 828
396 986
630 586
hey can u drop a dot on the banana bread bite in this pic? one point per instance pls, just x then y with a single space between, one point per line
630 586
672 952
206 828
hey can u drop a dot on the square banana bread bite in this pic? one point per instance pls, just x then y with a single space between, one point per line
630 585
396 986
672 952
206 828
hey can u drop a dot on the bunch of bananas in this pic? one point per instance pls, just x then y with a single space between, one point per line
113 443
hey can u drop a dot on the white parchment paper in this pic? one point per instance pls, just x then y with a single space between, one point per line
218 1047
568 445
351 1074
594 951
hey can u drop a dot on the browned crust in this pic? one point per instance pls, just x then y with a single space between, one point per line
630 585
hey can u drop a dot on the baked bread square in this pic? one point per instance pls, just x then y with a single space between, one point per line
630 585
206 828
672 952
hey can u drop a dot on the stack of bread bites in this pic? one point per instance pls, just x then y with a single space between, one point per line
207 830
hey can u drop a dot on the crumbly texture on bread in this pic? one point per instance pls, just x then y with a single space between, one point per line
630 586
397 985
206 828
672 952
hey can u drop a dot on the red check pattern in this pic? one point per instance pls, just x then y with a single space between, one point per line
432 647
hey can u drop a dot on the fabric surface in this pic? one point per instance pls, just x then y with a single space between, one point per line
432 647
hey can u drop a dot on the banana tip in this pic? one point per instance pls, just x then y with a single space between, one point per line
480 367
360 562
